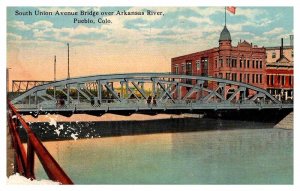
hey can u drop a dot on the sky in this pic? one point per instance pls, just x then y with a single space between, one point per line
130 43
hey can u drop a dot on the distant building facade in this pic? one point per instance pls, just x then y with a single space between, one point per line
268 68
280 70
244 62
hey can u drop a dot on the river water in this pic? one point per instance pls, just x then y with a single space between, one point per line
234 156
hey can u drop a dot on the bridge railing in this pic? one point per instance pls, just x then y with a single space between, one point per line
134 102
25 160
142 105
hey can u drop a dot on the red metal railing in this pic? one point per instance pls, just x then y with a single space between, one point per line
25 161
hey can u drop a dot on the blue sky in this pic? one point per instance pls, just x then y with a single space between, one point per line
131 43
260 25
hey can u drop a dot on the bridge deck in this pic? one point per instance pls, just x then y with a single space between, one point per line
140 107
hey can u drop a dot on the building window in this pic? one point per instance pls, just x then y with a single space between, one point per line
241 77
234 76
216 63
221 61
248 63
273 54
220 75
260 78
189 70
198 64
227 76
271 79
253 78
248 78
241 62
233 62
253 61
176 69
260 64
204 61
228 62
256 63
182 68
283 80
268 80
278 79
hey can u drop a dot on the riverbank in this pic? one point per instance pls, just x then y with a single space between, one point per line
286 123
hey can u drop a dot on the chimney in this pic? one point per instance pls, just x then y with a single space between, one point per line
291 40
281 48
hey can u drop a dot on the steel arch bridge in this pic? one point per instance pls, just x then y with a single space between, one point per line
148 93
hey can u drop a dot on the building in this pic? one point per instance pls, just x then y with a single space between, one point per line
245 62
280 70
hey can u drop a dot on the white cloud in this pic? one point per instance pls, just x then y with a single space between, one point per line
208 11
66 34
274 31
41 24
12 36
250 13
36 25
264 22
197 20
19 25
242 33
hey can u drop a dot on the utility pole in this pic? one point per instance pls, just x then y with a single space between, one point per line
68 87
68 62
54 88
55 68
225 14
7 79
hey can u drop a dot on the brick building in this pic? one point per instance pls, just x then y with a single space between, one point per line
244 62
280 70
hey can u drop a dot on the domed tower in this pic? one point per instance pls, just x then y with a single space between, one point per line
225 39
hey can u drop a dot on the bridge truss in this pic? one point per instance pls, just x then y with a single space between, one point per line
144 93
24 85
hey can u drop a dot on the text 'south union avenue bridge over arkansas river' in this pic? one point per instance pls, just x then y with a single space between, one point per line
205 121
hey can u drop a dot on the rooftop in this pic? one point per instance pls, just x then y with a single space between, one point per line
225 34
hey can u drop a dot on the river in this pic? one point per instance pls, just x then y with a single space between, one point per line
253 153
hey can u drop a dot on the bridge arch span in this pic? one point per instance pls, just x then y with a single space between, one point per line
144 92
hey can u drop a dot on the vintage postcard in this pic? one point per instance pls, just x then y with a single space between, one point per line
150 95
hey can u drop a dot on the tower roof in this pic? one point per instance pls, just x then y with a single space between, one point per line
225 34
